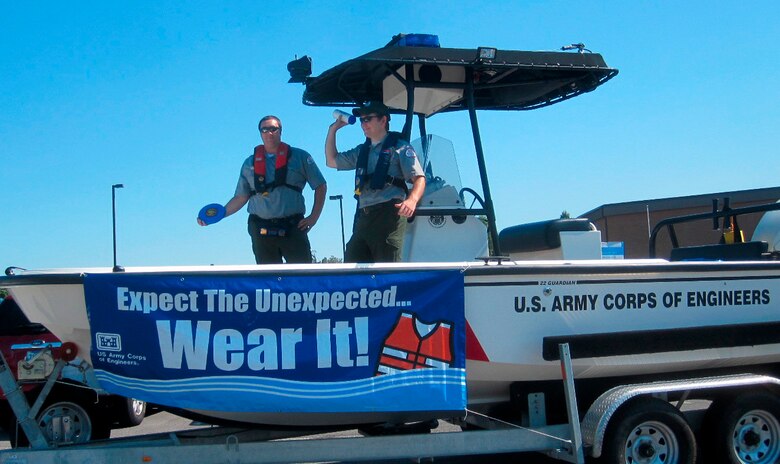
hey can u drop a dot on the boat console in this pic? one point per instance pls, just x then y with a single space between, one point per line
553 239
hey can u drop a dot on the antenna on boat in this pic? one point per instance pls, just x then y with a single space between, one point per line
113 216
580 47
649 231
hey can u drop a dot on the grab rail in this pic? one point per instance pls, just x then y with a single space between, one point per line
714 215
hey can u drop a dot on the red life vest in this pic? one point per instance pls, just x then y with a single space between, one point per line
405 349
283 155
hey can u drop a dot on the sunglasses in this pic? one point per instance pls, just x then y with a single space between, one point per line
269 129
368 118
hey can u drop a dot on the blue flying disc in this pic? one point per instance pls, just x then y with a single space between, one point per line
211 214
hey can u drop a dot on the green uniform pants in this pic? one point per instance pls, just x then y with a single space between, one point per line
378 235
270 248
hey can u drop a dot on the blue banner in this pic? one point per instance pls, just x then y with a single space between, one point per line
261 343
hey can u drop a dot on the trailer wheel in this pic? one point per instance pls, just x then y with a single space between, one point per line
744 430
648 431
64 422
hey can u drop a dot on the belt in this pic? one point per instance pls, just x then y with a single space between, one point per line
283 220
379 206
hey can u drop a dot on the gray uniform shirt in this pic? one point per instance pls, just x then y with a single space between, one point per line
403 164
280 201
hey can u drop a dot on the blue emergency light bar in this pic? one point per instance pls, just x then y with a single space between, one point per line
418 40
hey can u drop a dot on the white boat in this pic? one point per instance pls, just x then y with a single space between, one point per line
622 318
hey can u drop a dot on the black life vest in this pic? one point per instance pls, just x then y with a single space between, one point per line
379 178
283 156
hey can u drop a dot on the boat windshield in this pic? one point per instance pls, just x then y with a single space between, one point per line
437 157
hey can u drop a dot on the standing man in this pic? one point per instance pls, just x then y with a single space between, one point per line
272 181
383 165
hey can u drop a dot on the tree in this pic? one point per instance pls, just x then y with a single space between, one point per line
565 214
332 259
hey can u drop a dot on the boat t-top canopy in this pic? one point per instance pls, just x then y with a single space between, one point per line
414 75
502 79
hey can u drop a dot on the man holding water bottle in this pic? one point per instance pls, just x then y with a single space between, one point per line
383 166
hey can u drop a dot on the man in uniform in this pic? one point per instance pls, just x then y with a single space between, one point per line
272 181
383 165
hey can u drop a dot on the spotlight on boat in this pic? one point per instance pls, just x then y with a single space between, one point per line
299 69
486 54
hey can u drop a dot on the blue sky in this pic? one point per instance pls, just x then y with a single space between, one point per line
165 97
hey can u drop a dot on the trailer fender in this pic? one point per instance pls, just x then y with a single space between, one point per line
596 420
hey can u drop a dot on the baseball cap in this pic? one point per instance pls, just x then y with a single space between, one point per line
371 107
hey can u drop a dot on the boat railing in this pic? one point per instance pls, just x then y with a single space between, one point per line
715 216
424 211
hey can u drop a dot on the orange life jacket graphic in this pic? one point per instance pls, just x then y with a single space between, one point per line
416 345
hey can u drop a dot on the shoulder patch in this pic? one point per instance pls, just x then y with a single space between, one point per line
410 152
309 160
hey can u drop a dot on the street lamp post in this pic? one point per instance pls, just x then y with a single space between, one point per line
113 215
341 211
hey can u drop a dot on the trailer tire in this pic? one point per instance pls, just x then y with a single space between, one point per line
64 422
648 430
743 429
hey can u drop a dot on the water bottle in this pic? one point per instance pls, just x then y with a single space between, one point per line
344 116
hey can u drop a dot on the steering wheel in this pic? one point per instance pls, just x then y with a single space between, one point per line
476 196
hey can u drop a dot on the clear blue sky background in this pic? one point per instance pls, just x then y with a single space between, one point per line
164 97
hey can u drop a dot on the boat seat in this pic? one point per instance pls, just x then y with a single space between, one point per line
721 252
537 236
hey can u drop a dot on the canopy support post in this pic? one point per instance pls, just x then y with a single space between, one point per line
495 249
409 83
423 133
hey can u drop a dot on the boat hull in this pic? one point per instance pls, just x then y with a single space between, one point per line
623 319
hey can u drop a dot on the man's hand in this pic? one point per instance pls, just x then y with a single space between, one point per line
338 124
306 223
406 208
